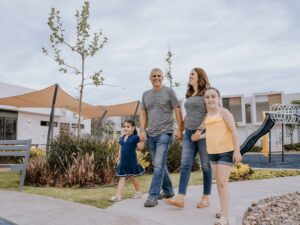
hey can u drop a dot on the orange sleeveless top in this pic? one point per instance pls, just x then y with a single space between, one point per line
219 138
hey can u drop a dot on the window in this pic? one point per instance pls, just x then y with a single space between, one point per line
8 125
64 128
248 113
46 123
234 105
264 103
74 126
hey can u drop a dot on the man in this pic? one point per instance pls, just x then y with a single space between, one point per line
158 104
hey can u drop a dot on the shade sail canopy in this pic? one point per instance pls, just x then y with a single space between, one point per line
43 99
125 109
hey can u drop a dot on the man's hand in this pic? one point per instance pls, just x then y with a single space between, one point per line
142 136
178 135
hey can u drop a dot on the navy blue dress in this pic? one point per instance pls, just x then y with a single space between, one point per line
129 165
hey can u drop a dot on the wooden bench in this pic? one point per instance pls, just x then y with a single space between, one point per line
19 148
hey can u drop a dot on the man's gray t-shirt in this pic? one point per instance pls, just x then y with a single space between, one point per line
195 112
159 106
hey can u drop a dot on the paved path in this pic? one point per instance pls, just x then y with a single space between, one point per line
27 209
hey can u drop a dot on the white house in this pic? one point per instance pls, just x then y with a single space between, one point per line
25 123
248 114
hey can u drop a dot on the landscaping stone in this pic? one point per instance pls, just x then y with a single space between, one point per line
280 210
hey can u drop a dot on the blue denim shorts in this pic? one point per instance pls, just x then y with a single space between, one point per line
225 158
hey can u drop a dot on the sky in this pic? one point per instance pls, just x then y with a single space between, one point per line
244 46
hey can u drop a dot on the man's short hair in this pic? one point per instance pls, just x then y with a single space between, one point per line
156 70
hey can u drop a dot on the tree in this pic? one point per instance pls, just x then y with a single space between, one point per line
103 129
169 75
85 46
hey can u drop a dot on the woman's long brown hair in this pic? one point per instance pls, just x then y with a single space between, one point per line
203 83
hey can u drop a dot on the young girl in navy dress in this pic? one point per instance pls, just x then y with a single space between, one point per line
128 164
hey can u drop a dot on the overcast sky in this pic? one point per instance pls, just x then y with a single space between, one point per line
244 46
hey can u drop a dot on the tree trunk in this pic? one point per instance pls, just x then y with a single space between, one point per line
80 95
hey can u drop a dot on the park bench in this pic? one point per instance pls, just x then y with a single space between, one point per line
16 148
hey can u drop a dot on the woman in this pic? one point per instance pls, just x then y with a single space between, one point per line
195 114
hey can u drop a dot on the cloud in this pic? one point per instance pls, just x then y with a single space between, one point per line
244 46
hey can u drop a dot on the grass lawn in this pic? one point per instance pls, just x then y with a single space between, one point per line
97 196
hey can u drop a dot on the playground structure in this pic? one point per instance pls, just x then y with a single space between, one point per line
285 115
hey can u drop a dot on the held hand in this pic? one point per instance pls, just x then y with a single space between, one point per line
196 136
237 157
142 136
178 135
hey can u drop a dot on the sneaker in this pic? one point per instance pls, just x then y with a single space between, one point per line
150 202
115 198
136 195
165 195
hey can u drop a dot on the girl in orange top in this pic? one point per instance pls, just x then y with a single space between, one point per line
222 146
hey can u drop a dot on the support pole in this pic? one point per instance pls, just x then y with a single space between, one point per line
282 143
103 115
135 112
50 125
270 148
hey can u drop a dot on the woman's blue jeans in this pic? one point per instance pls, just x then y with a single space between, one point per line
189 151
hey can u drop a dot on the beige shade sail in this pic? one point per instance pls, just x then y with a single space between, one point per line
43 99
125 109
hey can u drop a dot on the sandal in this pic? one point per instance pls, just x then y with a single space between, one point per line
202 204
174 202
222 222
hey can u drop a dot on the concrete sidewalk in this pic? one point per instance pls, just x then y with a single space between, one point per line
27 209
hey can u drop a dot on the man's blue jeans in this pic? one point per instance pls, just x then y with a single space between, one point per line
189 151
158 147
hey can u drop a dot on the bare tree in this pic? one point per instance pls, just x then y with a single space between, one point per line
169 76
85 46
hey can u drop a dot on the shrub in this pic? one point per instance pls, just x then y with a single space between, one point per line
81 173
292 147
71 161
240 172
256 149
143 159
37 152
37 172
174 156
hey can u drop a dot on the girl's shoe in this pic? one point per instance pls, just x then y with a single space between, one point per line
202 204
136 195
115 198
222 221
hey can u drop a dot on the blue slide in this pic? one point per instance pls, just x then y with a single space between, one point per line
266 126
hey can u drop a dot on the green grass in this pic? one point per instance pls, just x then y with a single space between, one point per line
98 196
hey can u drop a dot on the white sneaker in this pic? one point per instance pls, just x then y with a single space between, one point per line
115 198
136 195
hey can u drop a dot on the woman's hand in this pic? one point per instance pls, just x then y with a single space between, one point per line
196 136
237 157
178 135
